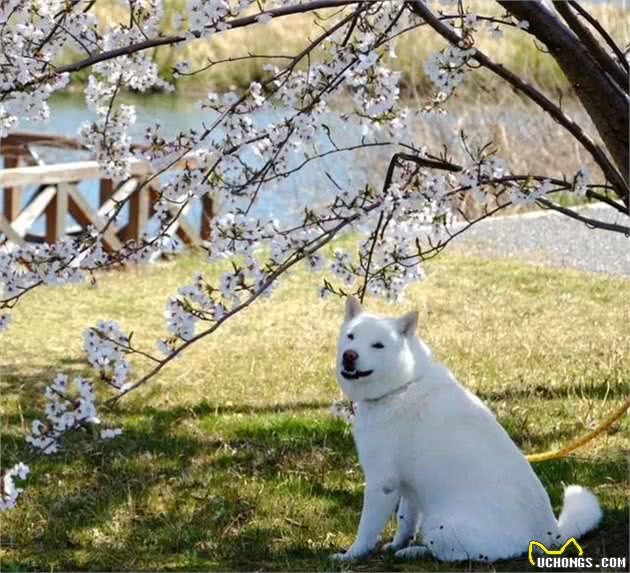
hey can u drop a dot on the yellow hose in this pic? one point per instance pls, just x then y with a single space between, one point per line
578 442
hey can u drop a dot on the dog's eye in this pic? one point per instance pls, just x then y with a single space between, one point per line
378 345
351 336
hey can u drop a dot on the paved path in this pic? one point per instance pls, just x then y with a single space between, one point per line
554 239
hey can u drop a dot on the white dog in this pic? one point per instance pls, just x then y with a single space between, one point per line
431 448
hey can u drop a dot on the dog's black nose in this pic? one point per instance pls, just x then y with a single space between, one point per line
349 358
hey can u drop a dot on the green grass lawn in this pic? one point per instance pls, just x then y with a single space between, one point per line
230 459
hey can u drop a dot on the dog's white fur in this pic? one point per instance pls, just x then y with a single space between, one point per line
431 448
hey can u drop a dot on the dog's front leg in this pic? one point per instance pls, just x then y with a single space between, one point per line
408 518
379 501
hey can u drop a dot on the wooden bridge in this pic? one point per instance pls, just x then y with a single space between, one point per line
54 194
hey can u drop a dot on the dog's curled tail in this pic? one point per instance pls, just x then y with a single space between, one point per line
580 512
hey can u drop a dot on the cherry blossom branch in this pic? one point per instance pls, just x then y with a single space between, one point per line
130 251
290 262
436 249
231 109
170 40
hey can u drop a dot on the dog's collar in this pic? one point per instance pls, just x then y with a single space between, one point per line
392 393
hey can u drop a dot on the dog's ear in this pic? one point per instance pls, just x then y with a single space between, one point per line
353 308
408 323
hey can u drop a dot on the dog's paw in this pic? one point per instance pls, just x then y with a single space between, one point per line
396 544
352 553
413 552
340 557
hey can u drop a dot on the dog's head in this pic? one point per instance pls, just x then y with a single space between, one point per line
375 355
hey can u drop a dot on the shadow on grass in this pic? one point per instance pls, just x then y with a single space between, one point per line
204 489
29 387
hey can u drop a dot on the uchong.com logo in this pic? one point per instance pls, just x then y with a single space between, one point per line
556 559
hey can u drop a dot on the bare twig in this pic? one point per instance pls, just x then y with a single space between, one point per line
594 223
602 32
612 68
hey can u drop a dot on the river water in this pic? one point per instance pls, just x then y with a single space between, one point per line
313 183
307 186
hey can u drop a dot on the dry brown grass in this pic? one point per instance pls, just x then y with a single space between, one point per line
286 36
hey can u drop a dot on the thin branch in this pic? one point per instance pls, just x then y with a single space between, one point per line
124 346
438 248
602 32
352 26
211 63
608 64
431 163
366 277
388 180
599 197
587 220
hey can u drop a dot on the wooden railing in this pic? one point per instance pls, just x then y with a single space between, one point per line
55 194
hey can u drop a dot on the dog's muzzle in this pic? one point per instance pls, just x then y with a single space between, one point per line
356 374
349 361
